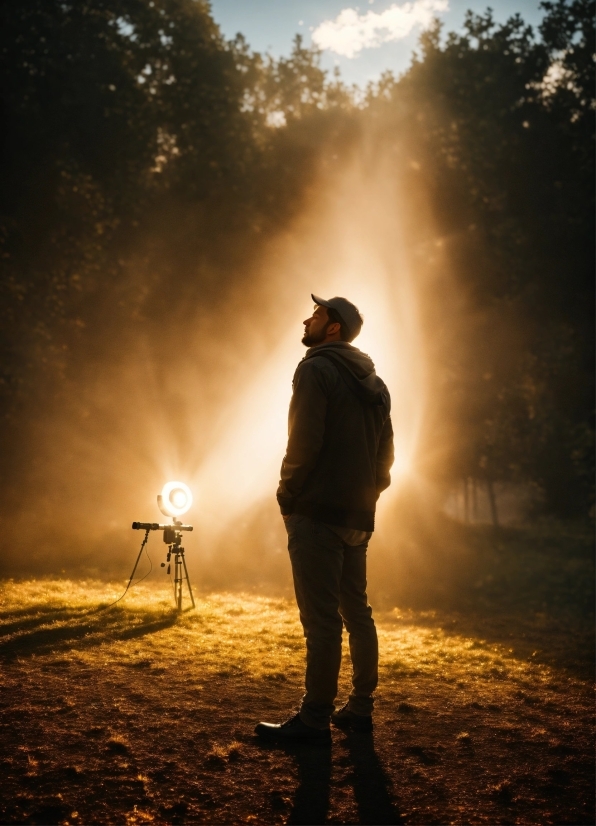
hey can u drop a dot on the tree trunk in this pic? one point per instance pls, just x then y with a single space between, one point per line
474 500
492 499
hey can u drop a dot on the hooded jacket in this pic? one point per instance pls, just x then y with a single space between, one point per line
340 439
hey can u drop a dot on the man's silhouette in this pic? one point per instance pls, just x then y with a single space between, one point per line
340 451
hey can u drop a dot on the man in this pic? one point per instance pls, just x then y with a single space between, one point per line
340 451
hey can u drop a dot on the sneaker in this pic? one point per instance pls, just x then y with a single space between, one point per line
293 729
344 718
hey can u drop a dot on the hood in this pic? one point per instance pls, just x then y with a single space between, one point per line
364 380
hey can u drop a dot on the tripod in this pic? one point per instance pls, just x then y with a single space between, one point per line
176 548
172 536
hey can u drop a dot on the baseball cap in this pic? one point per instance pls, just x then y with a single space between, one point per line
349 313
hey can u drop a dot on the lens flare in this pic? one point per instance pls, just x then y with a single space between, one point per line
175 498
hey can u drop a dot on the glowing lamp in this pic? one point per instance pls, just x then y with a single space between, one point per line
174 499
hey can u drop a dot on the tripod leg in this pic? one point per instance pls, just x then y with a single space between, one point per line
138 560
192 599
178 581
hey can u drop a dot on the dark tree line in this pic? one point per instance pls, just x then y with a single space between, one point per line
501 127
145 160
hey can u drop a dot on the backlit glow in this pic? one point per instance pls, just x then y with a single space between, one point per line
349 250
217 416
176 498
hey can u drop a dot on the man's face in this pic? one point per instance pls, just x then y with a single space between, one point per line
315 327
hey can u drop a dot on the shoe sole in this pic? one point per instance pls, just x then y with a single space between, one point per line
352 724
268 734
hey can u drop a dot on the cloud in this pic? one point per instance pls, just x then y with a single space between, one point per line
351 32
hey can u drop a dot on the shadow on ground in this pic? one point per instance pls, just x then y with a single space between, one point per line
365 775
43 630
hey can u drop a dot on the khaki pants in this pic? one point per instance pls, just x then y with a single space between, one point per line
330 585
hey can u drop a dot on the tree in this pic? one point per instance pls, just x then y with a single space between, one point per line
498 126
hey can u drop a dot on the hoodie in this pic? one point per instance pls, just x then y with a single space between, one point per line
340 439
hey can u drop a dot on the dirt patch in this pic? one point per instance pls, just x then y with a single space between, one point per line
135 714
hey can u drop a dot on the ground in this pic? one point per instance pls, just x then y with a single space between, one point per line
136 714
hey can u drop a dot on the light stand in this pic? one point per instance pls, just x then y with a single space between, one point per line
172 536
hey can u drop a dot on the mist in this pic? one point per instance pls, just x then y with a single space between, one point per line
212 409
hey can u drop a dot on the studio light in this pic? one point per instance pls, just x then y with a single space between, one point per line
175 499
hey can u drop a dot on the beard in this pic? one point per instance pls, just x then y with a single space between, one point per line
310 339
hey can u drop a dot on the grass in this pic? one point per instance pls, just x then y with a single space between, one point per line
135 714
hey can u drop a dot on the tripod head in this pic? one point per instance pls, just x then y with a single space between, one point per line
171 533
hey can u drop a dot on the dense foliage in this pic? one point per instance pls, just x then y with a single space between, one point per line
144 158
501 128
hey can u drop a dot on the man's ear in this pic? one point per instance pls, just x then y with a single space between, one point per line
333 328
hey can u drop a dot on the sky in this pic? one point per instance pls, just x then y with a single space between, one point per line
364 38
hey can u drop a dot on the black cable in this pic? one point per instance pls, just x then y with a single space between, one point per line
143 545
